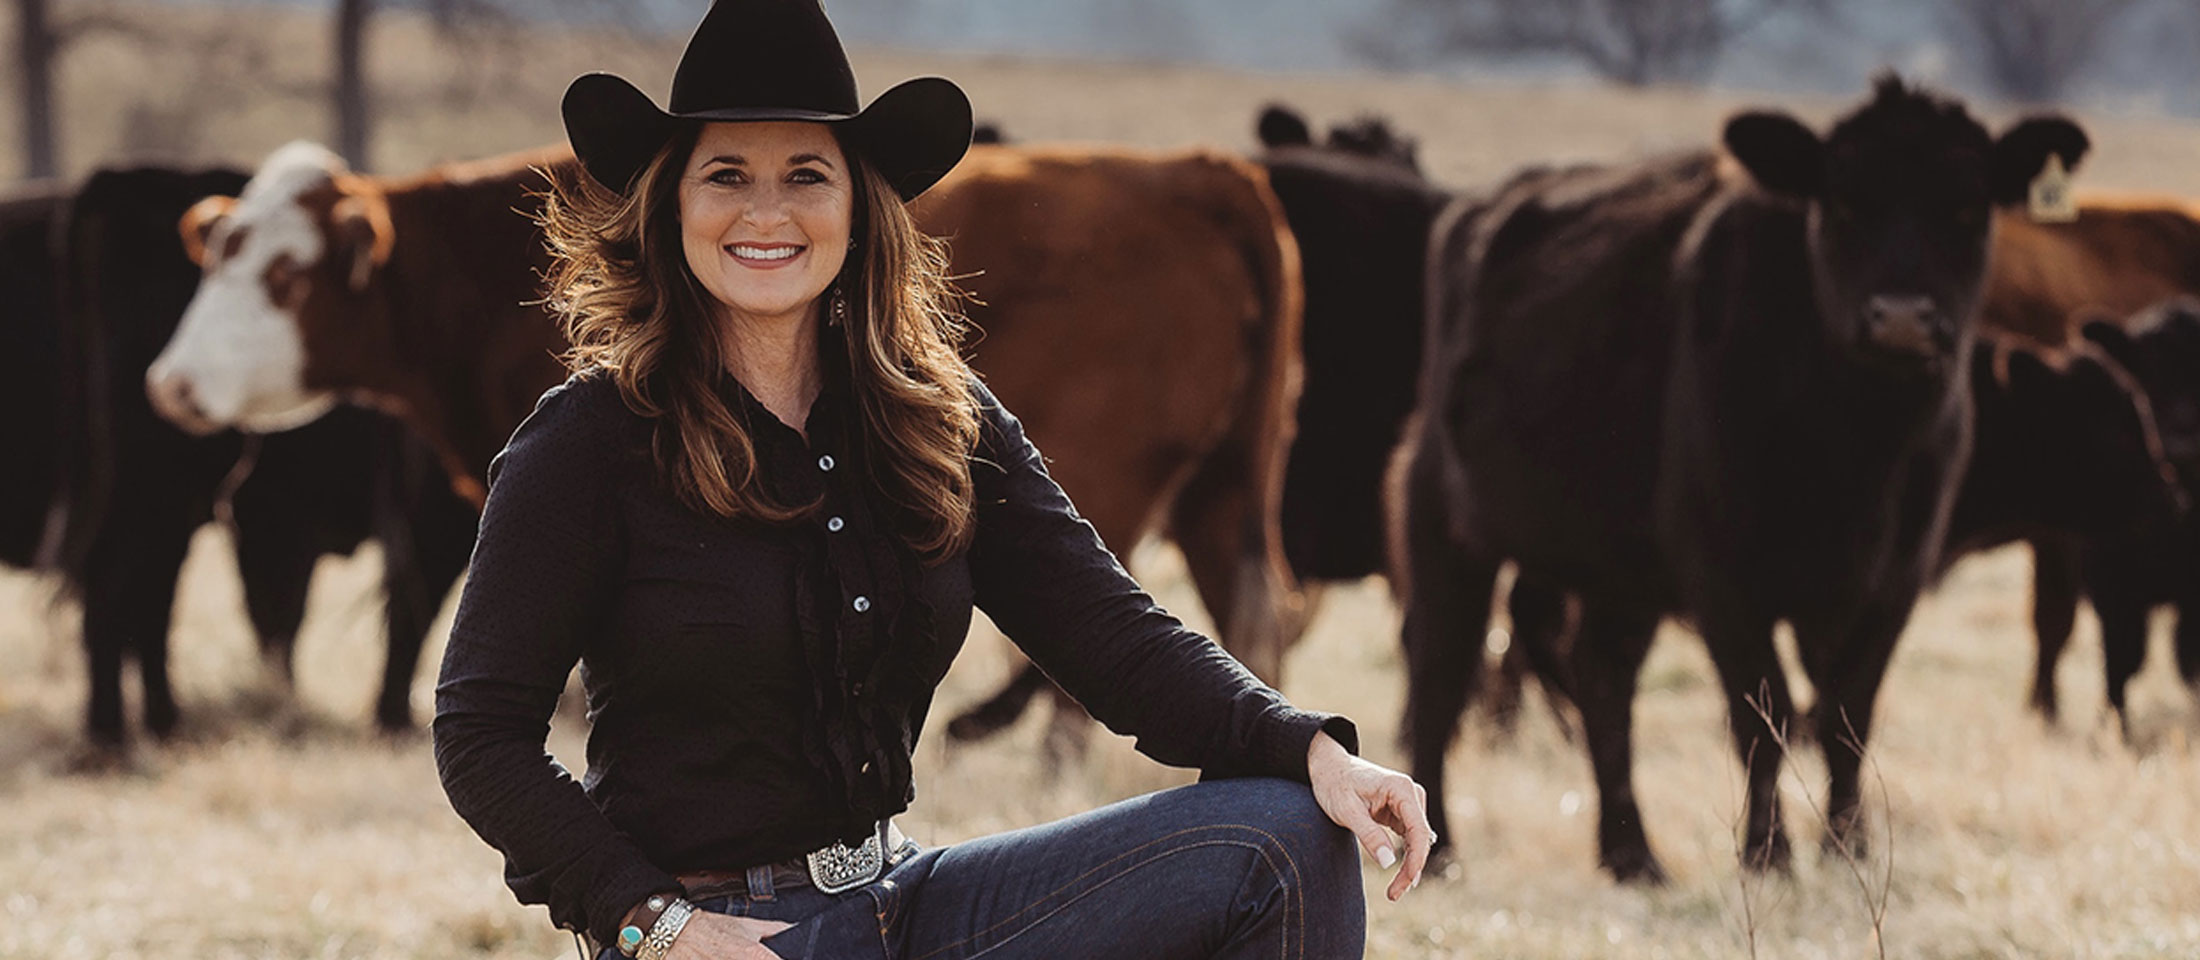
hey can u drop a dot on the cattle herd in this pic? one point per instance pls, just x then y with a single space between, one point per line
1790 376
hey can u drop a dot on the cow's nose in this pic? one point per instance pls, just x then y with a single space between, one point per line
174 399
1903 323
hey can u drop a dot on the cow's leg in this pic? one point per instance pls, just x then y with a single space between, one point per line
2188 643
1537 649
2186 602
129 598
2123 614
1607 660
427 535
1540 634
275 559
2056 586
1850 673
104 640
1756 689
1447 593
1226 527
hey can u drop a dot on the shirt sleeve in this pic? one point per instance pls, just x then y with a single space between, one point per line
543 575
1043 575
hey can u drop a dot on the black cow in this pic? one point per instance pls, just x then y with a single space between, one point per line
2128 571
30 219
2069 454
132 489
1361 213
1671 388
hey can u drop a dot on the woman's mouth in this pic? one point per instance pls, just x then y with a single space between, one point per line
764 256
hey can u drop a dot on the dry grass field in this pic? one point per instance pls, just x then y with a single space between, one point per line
285 830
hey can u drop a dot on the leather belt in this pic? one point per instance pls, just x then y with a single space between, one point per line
834 868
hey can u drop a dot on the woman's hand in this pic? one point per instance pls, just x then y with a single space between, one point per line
715 936
1366 798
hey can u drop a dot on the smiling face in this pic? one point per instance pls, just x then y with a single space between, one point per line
766 211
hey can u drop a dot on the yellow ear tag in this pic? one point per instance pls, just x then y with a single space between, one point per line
2051 200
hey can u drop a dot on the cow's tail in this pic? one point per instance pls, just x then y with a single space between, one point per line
1228 516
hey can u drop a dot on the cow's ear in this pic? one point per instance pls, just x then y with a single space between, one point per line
361 225
2022 153
1782 154
198 224
1281 126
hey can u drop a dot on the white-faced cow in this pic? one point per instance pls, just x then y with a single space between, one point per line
94 280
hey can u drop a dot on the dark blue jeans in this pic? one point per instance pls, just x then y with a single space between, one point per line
1227 869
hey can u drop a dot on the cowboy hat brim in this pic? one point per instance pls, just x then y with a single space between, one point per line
913 133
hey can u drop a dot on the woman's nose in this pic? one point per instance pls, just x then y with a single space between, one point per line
768 207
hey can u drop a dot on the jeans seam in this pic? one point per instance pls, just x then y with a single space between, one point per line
1293 896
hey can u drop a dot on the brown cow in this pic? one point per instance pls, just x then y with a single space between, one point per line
309 298
2121 255
1140 313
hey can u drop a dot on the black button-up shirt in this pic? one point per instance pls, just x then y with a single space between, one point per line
756 690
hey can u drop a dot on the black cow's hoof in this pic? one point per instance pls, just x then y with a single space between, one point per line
2045 704
98 758
1772 854
1441 857
1635 866
161 721
1847 843
402 735
393 721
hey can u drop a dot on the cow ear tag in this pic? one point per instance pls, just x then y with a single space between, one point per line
2050 199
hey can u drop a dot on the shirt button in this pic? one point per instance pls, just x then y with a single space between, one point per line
834 524
825 462
862 604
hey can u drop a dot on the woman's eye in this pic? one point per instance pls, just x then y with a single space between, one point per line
806 176
726 177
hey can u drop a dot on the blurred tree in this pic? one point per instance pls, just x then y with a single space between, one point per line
1633 42
2032 49
350 90
35 45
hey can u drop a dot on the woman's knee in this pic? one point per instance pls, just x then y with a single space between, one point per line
1286 815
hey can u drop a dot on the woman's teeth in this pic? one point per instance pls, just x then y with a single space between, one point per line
763 253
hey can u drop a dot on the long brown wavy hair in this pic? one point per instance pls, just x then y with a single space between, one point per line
620 284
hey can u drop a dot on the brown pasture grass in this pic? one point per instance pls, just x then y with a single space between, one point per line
279 828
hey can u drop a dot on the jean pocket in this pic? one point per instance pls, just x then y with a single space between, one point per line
853 928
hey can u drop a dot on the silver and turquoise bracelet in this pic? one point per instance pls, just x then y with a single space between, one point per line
665 930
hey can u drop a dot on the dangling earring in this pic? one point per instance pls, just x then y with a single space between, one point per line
836 313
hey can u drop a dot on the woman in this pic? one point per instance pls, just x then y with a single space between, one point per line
759 515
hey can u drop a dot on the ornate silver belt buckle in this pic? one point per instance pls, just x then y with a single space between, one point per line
840 868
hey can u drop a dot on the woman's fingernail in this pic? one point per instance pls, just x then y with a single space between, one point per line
1384 856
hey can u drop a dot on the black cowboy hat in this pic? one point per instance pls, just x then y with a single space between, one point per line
770 60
